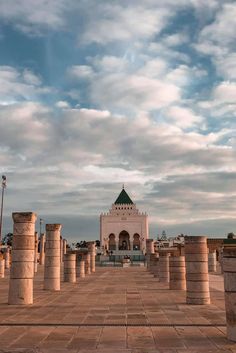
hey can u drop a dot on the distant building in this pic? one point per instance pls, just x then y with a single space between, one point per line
124 228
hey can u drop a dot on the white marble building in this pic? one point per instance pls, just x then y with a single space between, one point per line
124 228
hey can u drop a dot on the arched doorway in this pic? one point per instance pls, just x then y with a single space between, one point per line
124 241
136 242
112 242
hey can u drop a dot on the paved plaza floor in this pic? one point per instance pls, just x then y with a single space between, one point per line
115 310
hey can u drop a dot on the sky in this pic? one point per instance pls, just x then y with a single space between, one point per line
94 94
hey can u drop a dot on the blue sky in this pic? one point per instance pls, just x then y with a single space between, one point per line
94 94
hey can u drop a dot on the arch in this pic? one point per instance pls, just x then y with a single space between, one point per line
112 242
136 242
124 240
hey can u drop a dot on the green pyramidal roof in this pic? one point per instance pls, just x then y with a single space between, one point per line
123 198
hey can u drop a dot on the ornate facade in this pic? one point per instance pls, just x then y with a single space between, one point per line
124 228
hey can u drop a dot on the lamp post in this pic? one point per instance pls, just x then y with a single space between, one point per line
4 185
40 226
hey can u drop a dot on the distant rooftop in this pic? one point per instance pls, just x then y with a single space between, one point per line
123 198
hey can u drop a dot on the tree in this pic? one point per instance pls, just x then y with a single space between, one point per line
7 239
98 243
231 235
81 244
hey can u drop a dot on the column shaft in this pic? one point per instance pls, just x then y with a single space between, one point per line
87 264
7 258
229 266
22 268
52 257
64 246
197 279
2 268
212 261
82 269
164 271
177 273
70 268
42 250
36 253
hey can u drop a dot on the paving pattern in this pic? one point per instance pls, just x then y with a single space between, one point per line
115 310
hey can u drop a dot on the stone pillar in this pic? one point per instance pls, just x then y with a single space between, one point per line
149 246
22 267
92 252
2 268
149 250
229 267
177 273
7 258
152 263
70 268
36 253
87 264
61 250
197 279
220 259
64 246
164 271
155 266
42 250
52 258
212 261
82 268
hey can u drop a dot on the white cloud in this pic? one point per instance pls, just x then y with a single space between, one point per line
183 117
80 72
225 92
31 16
127 23
133 92
62 104
17 85
226 66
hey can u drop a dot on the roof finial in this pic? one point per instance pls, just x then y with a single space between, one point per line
123 187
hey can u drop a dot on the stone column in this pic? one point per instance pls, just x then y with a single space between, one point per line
61 250
164 271
42 250
177 273
229 267
70 268
22 267
149 250
64 246
152 264
155 265
197 279
52 258
36 253
220 260
82 268
212 261
2 268
7 258
87 264
92 252
149 246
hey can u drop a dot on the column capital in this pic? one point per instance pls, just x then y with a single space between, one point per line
24 217
52 227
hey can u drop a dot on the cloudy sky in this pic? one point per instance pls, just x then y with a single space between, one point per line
94 94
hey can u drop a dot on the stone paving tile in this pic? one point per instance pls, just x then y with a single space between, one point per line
114 296
167 337
112 337
140 337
